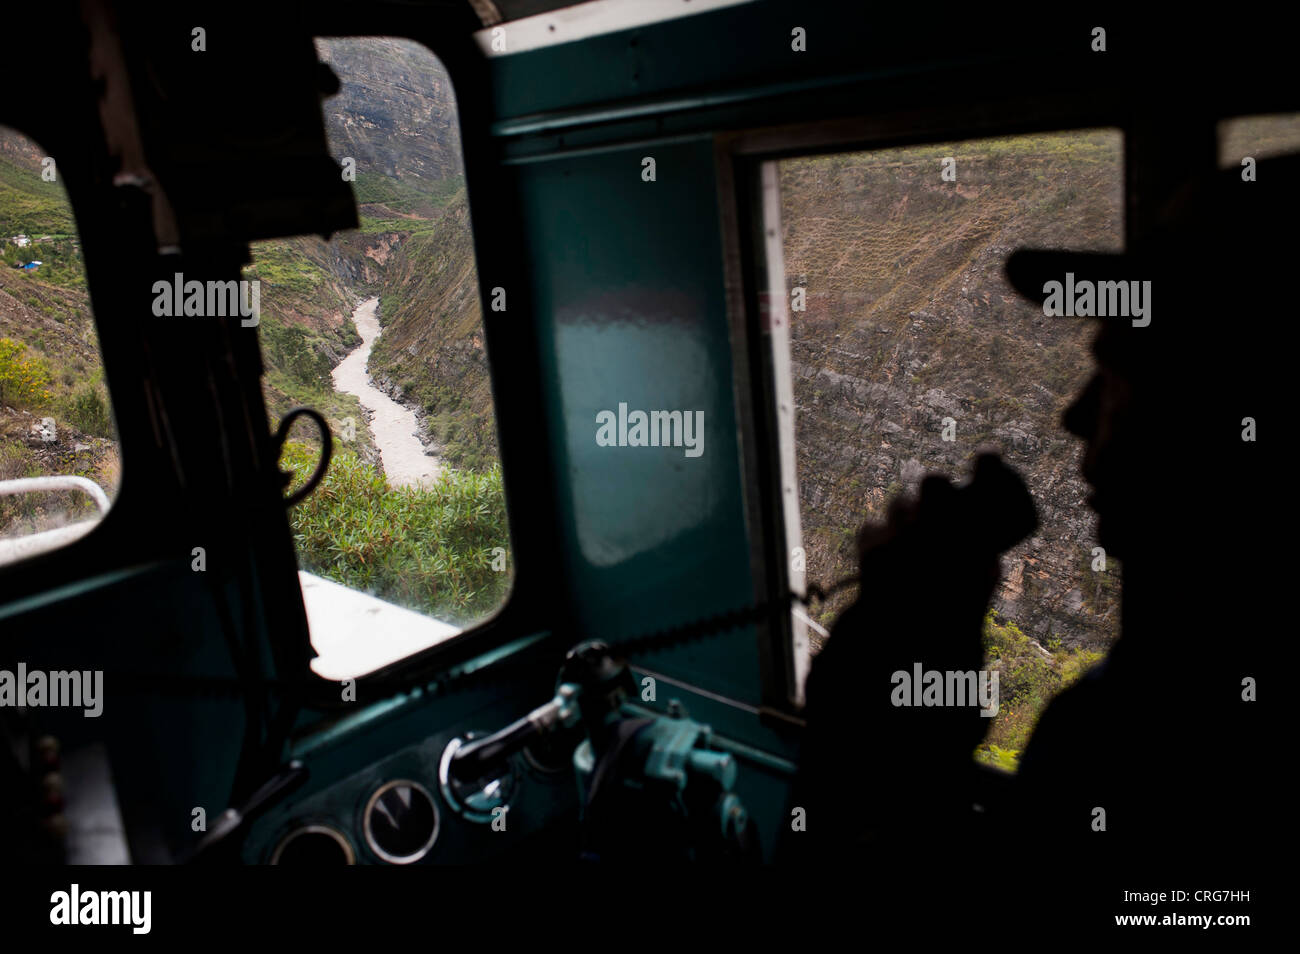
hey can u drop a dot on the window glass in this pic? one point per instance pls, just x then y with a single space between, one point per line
59 461
1257 137
910 353
405 543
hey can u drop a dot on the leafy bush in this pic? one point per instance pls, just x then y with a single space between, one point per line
1028 679
24 381
295 352
426 548
88 411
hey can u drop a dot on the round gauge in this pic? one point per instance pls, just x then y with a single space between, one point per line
314 846
401 822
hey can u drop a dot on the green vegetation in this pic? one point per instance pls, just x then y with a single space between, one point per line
294 356
390 205
87 409
31 206
22 514
283 268
40 210
298 375
24 380
60 260
1029 677
49 354
426 548
305 329
463 429
400 196
378 225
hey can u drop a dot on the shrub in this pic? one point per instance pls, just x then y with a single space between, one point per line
1027 681
24 382
88 411
428 548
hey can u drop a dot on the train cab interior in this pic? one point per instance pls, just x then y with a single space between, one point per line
673 296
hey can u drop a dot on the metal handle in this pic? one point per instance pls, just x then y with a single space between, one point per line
26 485
327 449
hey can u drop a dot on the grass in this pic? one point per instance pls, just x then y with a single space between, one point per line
31 206
390 205
430 549
279 265
294 355
24 514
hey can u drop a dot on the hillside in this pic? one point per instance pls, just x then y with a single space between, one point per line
431 352
395 113
305 329
49 352
910 321
395 117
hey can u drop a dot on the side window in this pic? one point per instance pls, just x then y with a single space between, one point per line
909 353
59 460
1246 140
405 543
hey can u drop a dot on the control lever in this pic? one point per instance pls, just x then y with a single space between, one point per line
635 775
590 672
483 757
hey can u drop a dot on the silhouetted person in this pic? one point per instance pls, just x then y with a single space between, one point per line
1158 735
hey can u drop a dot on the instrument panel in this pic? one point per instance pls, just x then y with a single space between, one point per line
406 810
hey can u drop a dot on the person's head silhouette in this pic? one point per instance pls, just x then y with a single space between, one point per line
1185 365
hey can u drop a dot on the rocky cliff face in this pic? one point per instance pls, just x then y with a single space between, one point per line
909 322
20 151
431 352
395 113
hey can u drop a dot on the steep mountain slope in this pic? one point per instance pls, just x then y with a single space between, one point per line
49 352
431 351
395 113
909 321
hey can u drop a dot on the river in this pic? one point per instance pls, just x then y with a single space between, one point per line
393 427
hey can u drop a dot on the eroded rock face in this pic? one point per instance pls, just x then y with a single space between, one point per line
395 111
431 351
909 322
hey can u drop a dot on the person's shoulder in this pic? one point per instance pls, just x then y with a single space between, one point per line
1069 722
